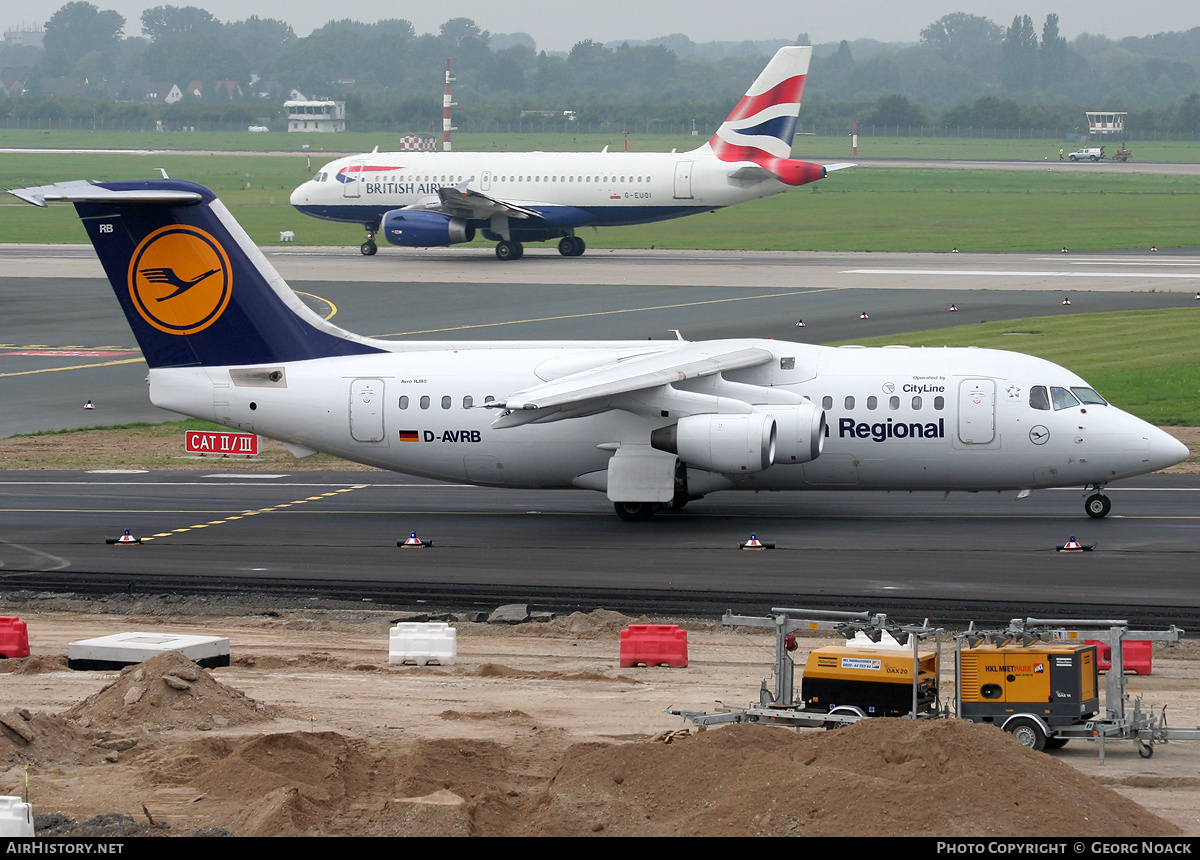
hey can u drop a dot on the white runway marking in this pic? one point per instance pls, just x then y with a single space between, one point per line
1010 274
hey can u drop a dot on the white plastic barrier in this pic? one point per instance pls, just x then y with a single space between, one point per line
16 818
423 642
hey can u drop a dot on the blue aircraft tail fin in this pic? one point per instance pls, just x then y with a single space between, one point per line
194 287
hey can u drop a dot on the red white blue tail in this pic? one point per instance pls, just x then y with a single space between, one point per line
760 129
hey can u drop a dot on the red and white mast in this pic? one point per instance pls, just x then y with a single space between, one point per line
446 105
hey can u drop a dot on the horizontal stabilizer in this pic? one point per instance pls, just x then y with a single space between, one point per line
81 190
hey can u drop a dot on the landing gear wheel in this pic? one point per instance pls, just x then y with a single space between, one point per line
368 248
635 512
1027 733
508 250
571 246
1097 506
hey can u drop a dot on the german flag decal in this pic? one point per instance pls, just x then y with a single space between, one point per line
410 436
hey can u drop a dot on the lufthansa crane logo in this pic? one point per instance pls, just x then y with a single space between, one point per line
180 279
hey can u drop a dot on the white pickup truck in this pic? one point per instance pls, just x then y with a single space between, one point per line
1092 153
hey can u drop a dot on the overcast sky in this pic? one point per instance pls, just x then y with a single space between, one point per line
556 25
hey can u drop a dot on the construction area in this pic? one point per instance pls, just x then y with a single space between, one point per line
536 728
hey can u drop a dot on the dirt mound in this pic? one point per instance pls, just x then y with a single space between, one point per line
496 670
295 783
168 691
43 739
33 665
875 778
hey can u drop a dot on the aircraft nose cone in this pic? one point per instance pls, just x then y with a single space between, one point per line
300 195
1166 450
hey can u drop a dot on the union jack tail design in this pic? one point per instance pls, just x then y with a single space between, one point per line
760 129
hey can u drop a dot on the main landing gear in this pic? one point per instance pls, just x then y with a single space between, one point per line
1097 504
571 246
509 250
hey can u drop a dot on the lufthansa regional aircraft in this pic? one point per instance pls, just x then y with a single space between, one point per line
434 199
653 424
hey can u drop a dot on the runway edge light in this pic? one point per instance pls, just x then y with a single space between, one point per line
126 538
1074 545
755 543
413 540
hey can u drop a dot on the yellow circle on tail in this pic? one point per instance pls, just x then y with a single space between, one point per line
180 279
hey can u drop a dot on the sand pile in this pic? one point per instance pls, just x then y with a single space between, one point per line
167 692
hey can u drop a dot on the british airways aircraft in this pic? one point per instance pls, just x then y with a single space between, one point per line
434 199
652 424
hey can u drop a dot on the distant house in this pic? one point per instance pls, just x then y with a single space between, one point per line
315 115
141 89
62 86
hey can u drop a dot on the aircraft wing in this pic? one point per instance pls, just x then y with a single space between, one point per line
459 201
591 391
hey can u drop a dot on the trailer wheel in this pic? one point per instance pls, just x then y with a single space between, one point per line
1056 743
1028 733
1145 750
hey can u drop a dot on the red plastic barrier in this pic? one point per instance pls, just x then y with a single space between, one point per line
1136 654
14 637
654 645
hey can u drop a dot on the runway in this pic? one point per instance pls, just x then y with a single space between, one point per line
63 341
966 557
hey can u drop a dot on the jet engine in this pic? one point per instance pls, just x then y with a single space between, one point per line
721 443
800 434
413 228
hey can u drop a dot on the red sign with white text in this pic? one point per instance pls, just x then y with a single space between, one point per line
216 442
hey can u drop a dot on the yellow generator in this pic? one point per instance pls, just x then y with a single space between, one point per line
869 679
1030 690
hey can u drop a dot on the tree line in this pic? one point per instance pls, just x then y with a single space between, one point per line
966 71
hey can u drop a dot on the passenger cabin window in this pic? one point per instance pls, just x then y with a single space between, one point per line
445 401
404 402
468 402
1061 398
939 403
1038 398
893 403
849 403
424 401
826 402
916 402
872 402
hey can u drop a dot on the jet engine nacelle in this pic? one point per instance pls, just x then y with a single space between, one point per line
721 443
417 229
800 433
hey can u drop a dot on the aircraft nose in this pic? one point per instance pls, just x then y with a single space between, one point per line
1166 450
300 195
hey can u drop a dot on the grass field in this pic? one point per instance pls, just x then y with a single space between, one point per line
1146 362
864 209
804 146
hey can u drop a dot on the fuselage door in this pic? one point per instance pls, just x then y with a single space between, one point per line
366 410
977 411
683 180
350 187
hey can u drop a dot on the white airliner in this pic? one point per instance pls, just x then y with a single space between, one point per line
653 424
433 199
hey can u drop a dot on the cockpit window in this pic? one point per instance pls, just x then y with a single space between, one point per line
1088 396
1061 398
1038 398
